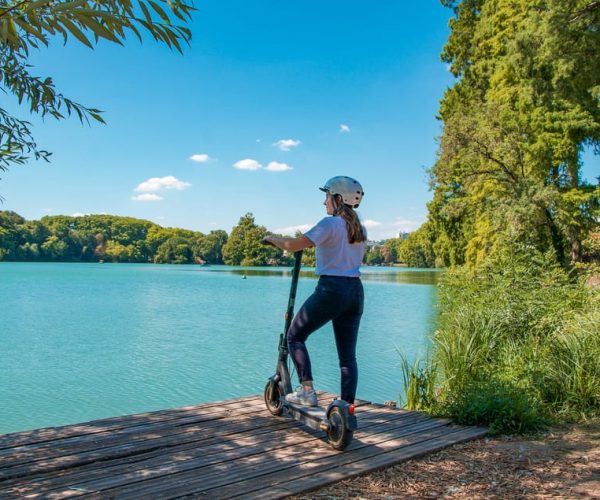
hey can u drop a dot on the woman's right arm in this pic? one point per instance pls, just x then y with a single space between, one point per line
289 244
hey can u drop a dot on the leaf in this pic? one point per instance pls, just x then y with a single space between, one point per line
146 12
95 114
100 30
160 12
68 6
107 16
34 6
77 33
4 29
31 30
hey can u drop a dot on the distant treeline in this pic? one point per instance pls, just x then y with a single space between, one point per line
111 238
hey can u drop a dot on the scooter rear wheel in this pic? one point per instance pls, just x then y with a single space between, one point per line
272 398
338 433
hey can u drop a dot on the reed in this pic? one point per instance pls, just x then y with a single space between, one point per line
419 379
572 381
517 345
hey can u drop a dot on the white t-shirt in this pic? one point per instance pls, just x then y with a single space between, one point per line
335 255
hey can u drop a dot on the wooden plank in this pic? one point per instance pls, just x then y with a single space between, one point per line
66 477
169 456
195 476
46 452
326 467
120 422
222 450
118 445
247 473
74 443
102 450
216 437
280 440
108 424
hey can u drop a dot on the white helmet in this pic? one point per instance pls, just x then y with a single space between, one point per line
348 188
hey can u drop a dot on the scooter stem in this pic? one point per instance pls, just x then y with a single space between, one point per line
289 315
282 372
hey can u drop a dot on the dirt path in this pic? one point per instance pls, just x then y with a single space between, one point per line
561 463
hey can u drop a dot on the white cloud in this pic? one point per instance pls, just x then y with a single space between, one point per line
275 166
369 224
247 164
287 144
159 183
147 197
48 210
200 158
78 214
344 129
159 217
291 230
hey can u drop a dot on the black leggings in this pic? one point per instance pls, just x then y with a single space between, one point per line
340 300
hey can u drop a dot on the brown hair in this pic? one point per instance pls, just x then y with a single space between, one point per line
355 230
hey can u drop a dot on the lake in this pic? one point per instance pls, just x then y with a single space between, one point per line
86 341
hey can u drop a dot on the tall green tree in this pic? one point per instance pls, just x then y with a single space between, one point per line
524 106
27 25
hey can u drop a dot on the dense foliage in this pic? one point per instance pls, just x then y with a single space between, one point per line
518 338
110 238
518 332
523 107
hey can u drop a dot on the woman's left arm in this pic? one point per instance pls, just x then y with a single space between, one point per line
289 244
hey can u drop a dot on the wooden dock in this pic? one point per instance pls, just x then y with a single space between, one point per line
225 449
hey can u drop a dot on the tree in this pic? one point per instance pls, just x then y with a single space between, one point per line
96 237
244 245
524 105
26 25
210 247
389 251
417 250
373 256
175 250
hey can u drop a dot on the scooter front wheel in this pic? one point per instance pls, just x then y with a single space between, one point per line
338 433
272 398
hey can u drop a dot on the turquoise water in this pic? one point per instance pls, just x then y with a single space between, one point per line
87 341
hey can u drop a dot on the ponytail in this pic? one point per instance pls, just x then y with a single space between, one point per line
356 234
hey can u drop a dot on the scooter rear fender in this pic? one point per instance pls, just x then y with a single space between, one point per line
345 408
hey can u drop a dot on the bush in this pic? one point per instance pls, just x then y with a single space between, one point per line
517 340
503 408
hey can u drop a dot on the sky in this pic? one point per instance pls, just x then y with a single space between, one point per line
270 100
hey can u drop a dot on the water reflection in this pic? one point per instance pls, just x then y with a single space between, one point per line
406 275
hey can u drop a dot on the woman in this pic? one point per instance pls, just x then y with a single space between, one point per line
340 242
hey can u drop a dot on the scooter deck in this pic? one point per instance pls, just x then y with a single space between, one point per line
312 416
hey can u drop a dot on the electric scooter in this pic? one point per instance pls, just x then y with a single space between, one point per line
337 420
